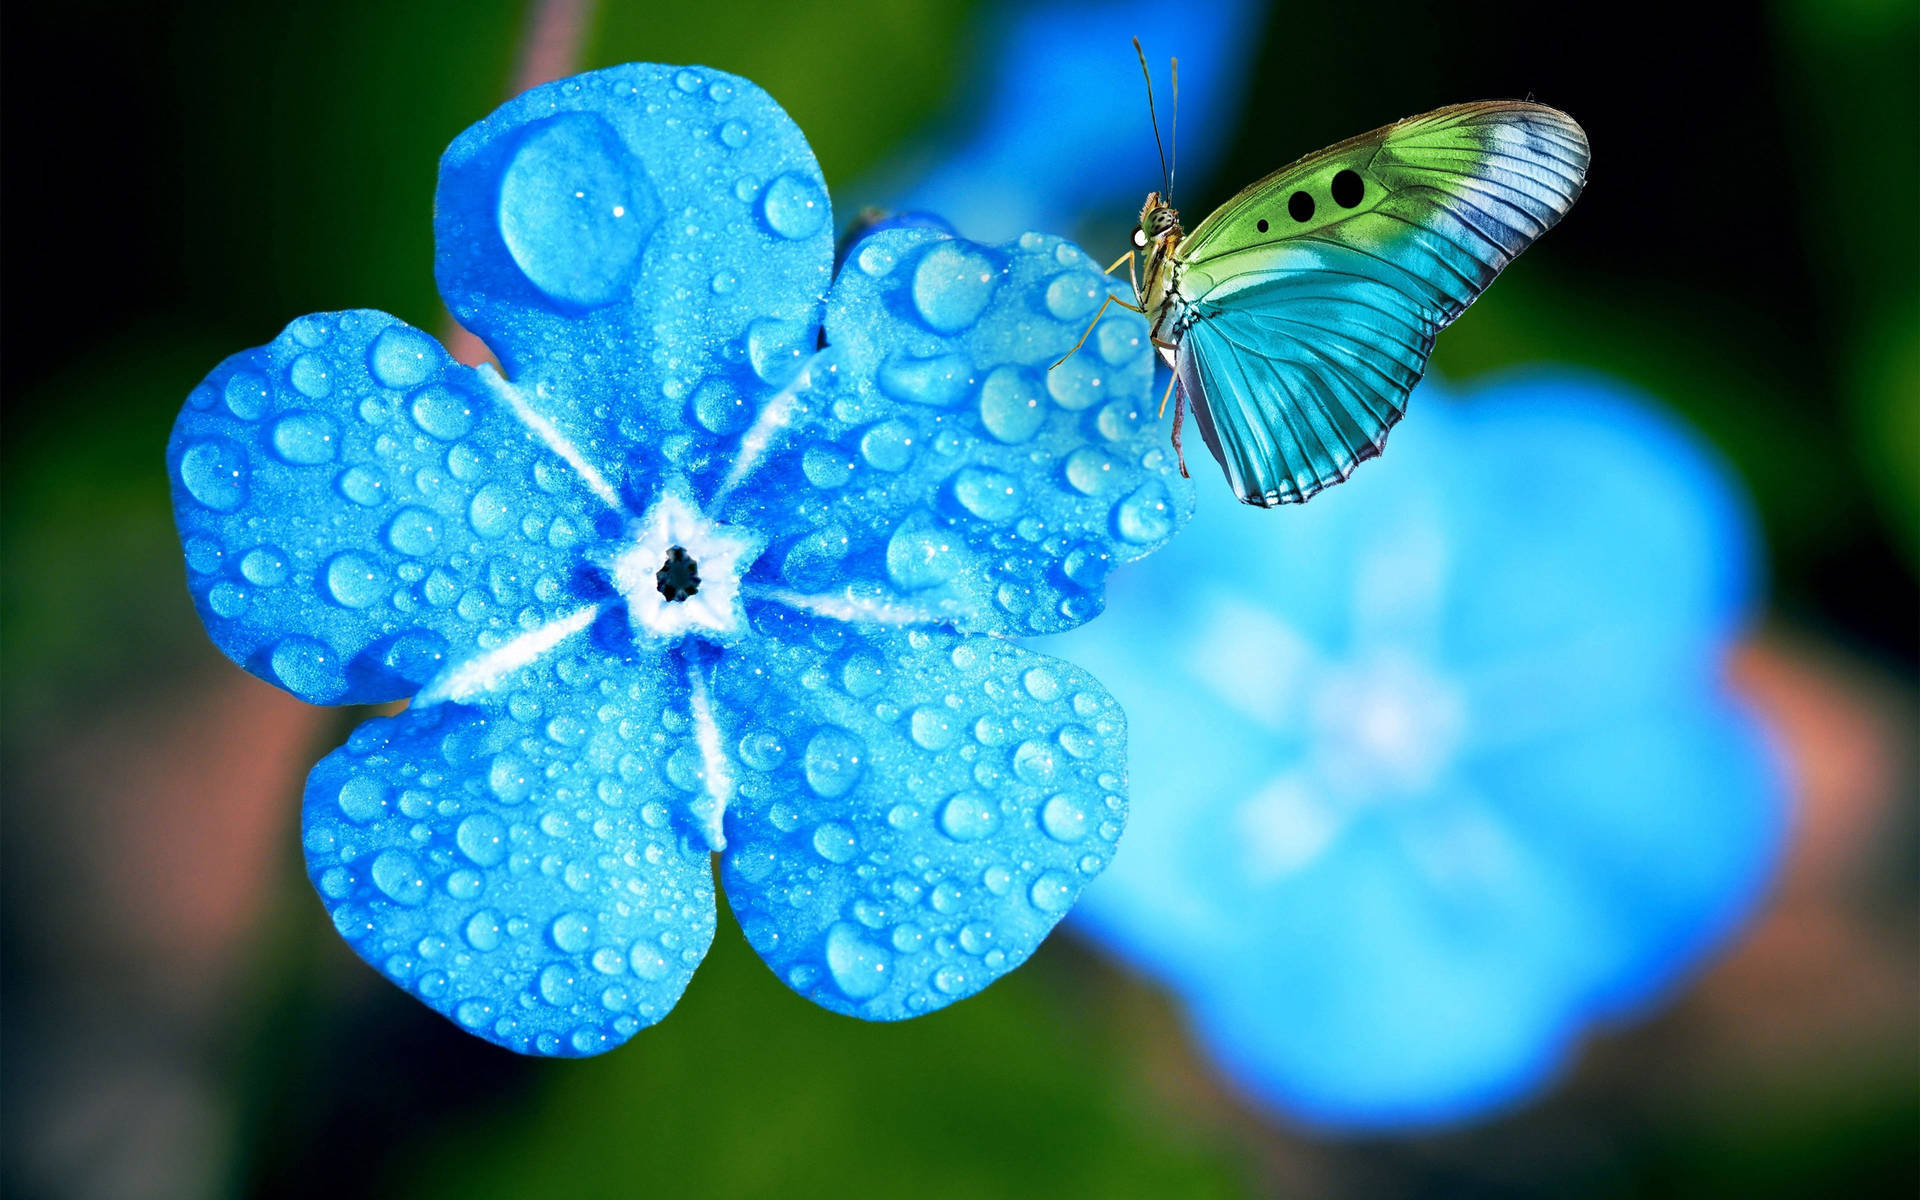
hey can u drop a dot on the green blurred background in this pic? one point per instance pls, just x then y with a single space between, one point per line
178 1017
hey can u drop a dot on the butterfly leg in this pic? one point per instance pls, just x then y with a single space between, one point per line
1179 411
1111 299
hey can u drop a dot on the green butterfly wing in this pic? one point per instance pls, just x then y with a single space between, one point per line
1308 304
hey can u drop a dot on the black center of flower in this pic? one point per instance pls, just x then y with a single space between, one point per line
679 576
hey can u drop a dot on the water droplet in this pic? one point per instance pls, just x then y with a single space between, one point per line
305 439
465 885
575 210
875 260
719 408
976 937
355 581
264 566
951 980
761 749
859 968
932 727
571 931
364 799
414 531
227 599
484 929
1064 819
306 667
402 358
1078 383
888 446
969 816
952 286
1146 515
491 513
826 466
688 81
834 760
908 938
482 837
204 555
397 875
310 376
1075 295
510 779
835 842
920 556
988 494
363 485
735 134
794 206
246 395
1034 762
1010 405
1041 683
776 348
1089 470
1078 741
443 412
723 283
215 473
556 984
938 381
1052 892
609 961
648 962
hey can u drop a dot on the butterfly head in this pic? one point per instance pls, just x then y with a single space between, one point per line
1159 224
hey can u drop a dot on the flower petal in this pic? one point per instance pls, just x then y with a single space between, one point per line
945 462
523 872
915 810
359 511
645 248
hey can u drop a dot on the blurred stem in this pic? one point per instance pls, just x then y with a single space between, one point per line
556 33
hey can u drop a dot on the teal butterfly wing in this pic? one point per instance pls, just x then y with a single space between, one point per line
1306 306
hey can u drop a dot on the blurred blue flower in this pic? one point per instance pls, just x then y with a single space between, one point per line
1440 770
1054 125
680 581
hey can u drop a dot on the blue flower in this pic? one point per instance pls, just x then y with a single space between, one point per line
1055 124
717 562
1442 769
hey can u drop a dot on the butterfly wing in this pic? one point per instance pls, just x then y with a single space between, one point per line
1310 300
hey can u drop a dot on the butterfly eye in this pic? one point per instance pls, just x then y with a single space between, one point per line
1139 237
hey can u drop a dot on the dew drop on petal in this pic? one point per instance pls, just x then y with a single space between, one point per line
214 472
859 968
398 876
969 816
793 206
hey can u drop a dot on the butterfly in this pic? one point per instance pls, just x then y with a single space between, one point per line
1299 315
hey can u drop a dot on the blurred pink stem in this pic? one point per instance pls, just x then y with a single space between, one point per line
556 33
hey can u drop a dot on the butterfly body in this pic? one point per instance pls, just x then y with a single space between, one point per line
1300 314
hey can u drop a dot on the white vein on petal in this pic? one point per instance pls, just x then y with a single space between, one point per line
844 606
466 681
716 774
775 415
550 435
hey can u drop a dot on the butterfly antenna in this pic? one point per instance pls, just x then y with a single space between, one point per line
1166 179
1173 134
